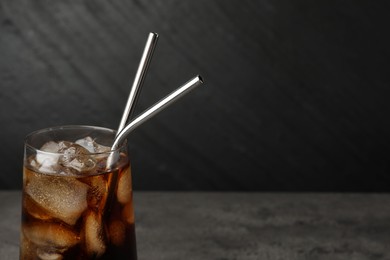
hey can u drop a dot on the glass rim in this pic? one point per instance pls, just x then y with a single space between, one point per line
69 127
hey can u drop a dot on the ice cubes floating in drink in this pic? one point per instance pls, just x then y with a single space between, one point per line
68 158
62 198
66 210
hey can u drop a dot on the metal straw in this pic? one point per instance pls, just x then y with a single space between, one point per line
139 78
153 110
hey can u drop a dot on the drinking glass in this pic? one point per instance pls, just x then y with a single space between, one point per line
75 206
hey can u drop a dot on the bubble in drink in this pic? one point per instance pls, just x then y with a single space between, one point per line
67 211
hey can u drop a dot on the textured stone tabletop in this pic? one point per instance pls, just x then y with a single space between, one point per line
222 226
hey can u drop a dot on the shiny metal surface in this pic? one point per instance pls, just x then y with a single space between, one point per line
139 79
153 110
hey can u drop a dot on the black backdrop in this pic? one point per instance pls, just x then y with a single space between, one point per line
296 94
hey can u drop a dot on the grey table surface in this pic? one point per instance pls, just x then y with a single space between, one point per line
208 225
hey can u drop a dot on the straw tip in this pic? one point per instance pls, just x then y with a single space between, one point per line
200 78
154 34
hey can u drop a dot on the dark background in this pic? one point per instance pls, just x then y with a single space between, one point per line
296 95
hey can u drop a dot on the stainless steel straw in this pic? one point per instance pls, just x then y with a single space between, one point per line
153 110
139 79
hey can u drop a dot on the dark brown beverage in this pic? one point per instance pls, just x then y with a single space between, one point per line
74 207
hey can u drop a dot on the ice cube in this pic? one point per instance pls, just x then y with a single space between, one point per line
50 235
93 147
34 209
47 157
34 164
97 193
76 157
94 234
62 197
51 147
88 143
117 232
47 255
128 213
101 148
124 187
49 164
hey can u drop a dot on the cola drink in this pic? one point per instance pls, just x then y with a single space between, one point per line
74 205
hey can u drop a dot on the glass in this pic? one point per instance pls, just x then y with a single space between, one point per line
74 206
